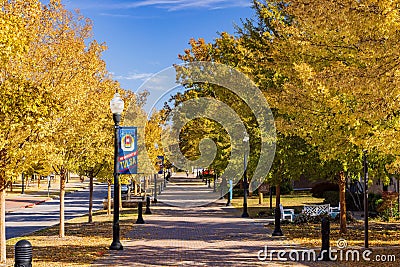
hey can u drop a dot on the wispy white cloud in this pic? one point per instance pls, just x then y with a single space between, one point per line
134 76
116 15
173 5
170 5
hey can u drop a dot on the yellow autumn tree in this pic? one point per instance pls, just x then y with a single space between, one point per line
338 66
27 106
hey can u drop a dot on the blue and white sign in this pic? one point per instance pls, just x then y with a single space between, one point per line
127 151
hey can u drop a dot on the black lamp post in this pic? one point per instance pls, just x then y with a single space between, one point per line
117 106
365 167
245 214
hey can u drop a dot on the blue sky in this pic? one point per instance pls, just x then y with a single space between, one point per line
145 36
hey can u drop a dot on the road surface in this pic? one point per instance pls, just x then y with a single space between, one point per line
24 221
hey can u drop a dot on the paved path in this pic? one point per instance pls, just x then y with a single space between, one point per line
194 193
213 235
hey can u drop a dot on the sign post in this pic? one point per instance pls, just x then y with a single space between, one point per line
230 192
264 188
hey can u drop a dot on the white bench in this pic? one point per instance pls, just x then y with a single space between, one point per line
334 211
286 213
316 210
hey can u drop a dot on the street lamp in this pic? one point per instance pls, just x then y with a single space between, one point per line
116 106
245 214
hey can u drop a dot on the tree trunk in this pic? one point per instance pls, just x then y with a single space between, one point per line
3 252
90 220
109 198
260 198
63 174
38 181
277 195
342 197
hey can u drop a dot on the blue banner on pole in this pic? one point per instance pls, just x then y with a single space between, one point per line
127 150
160 163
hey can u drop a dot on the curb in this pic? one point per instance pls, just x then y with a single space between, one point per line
36 203
30 205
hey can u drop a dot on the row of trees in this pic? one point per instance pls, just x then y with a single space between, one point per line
330 72
55 93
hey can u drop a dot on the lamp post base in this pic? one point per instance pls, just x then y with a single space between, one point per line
245 214
116 245
277 230
277 233
140 213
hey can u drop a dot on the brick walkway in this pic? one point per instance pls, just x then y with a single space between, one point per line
196 236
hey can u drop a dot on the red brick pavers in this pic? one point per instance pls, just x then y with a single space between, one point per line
198 236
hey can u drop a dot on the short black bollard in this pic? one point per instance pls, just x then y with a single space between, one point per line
277 230
325 231
23 254
228 203
148 211
140 213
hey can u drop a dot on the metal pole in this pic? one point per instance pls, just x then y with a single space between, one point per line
116 244
48 186
325 231
140 213
215 180
155 188
148 211
144 185
365 163
277 230
230 193
245 214
23 184
270 196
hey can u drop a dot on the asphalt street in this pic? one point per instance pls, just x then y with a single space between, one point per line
27 220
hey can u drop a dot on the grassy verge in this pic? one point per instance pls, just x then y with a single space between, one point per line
83 242
33 189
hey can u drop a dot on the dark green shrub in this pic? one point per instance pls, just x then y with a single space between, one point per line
286 188
373 201
331 197
305 218
319 189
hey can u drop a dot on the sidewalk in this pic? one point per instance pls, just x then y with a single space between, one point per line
34 196
214 235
